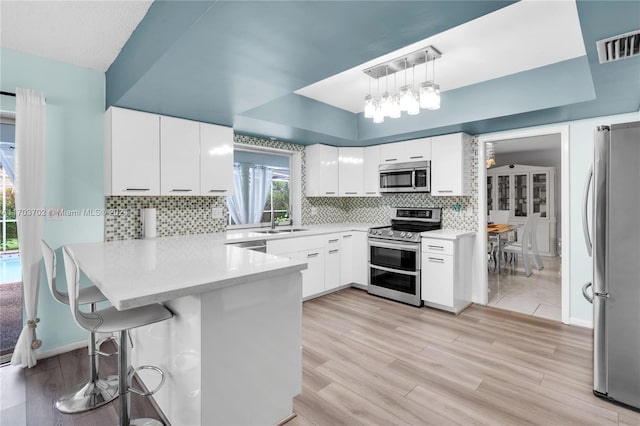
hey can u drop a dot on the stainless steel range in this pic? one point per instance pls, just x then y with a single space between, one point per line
394 254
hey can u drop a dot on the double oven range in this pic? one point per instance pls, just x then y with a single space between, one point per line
394 254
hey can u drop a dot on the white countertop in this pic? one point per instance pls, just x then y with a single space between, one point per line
447 234
241 235
134 273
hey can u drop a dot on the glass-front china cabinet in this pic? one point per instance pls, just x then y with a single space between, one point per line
524 190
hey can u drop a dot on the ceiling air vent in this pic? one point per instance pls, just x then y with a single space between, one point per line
619 47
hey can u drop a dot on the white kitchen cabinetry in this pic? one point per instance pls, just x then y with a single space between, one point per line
321 162
371 173
406 151
179 156
446 272
451 164
333 261
346 258
360 259
351 172
308 249
523 190
216 160
131 152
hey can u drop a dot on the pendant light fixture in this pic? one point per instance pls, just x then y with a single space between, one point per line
369 103
410 98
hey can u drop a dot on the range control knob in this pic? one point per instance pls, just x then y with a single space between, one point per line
391 233
379 232
403 234
409 235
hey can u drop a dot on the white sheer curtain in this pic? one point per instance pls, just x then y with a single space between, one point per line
29 190
251 185
260 178
236 202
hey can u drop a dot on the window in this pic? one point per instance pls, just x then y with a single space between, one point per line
9 227
261 181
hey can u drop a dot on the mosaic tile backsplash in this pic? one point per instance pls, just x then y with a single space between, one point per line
175 216
192 215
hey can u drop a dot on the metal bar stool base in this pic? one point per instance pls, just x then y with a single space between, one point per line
88 396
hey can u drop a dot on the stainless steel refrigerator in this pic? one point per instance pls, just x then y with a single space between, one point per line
614 239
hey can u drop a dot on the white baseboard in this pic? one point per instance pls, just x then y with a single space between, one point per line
580 322
61 349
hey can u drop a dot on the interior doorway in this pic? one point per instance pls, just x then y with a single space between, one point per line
523 181
528 176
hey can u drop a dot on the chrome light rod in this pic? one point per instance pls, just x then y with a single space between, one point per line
418 57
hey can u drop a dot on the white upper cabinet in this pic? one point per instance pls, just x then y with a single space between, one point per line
406 151
216 159
371 174
321 163
351 171
131 152
179 156
451 164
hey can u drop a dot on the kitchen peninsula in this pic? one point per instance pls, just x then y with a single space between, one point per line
233 349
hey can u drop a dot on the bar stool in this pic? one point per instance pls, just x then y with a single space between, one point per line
111 320
97 391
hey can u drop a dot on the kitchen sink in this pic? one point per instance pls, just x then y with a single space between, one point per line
280 231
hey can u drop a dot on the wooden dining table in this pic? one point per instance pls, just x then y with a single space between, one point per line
498 230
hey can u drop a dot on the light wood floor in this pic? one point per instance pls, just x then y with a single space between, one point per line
27 396
370 361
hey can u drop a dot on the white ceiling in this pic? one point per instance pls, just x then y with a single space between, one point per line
532 143
526 35
85 33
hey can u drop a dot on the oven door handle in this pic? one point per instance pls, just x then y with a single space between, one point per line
396 271
395 246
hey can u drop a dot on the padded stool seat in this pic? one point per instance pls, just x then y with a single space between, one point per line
111 320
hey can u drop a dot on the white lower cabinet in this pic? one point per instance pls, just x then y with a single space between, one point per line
446 273
313 277
360 258
334 260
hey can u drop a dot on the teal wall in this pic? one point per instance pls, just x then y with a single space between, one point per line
73 169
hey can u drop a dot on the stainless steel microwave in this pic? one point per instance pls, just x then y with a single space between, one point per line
405 177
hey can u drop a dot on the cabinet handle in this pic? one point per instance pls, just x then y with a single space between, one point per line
435 259
333 251
435 247
371 192
415 157
332 192
347 236
217 190
333 241
351 193
181 190
391 159
137 189
312 255
445 190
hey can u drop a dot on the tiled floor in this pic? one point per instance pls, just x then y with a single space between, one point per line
538 295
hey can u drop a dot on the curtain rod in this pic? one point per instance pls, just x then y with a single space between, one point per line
7 93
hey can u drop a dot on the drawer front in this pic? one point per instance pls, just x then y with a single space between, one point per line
435 246
288 245
437 279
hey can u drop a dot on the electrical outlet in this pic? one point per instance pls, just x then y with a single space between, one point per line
314 211
216 213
